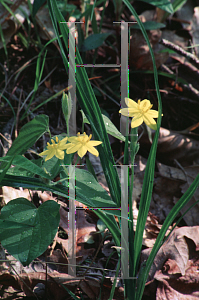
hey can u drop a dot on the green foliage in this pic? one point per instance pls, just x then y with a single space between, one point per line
149 25
93 41
177 4
25 164
36 6
28 135
88 190
110 127
89 105
26 231
163 4
66 107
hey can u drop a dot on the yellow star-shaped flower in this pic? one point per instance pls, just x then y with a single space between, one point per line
82 143
141 112
56 149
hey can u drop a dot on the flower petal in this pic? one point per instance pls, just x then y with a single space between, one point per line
129 112
73 139
73 148
94 143
150 121
50 155
59 154
153 113
63 141
130 103
82 151
44 153
63 147
92 150
136 121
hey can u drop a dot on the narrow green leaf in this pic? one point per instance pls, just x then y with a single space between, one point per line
111 224
89 104
169 220
70 293
131 289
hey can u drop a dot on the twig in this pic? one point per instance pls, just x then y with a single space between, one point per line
193 92
192 58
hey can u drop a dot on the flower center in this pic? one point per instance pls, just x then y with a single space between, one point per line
145 107
84 138
54 145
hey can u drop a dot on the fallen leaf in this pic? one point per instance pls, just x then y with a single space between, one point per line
140 56
174 145
9 193
172 285
175 248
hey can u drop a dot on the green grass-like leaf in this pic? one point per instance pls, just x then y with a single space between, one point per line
89 105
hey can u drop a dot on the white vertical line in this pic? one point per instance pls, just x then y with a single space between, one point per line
124 71
124 223
72 224
71 77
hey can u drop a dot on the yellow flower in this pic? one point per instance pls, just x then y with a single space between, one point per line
56 149
82 143
141 112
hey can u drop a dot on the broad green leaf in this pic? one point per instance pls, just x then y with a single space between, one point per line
177 4
149 25
163 4
29 134
52 166
24 163
6 168
26 231
94 197
36 6
89 192
94 41
110 127
101 226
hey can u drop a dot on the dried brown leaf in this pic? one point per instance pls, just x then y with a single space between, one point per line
175 248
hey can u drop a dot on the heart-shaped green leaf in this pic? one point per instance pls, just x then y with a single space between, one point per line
26 231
